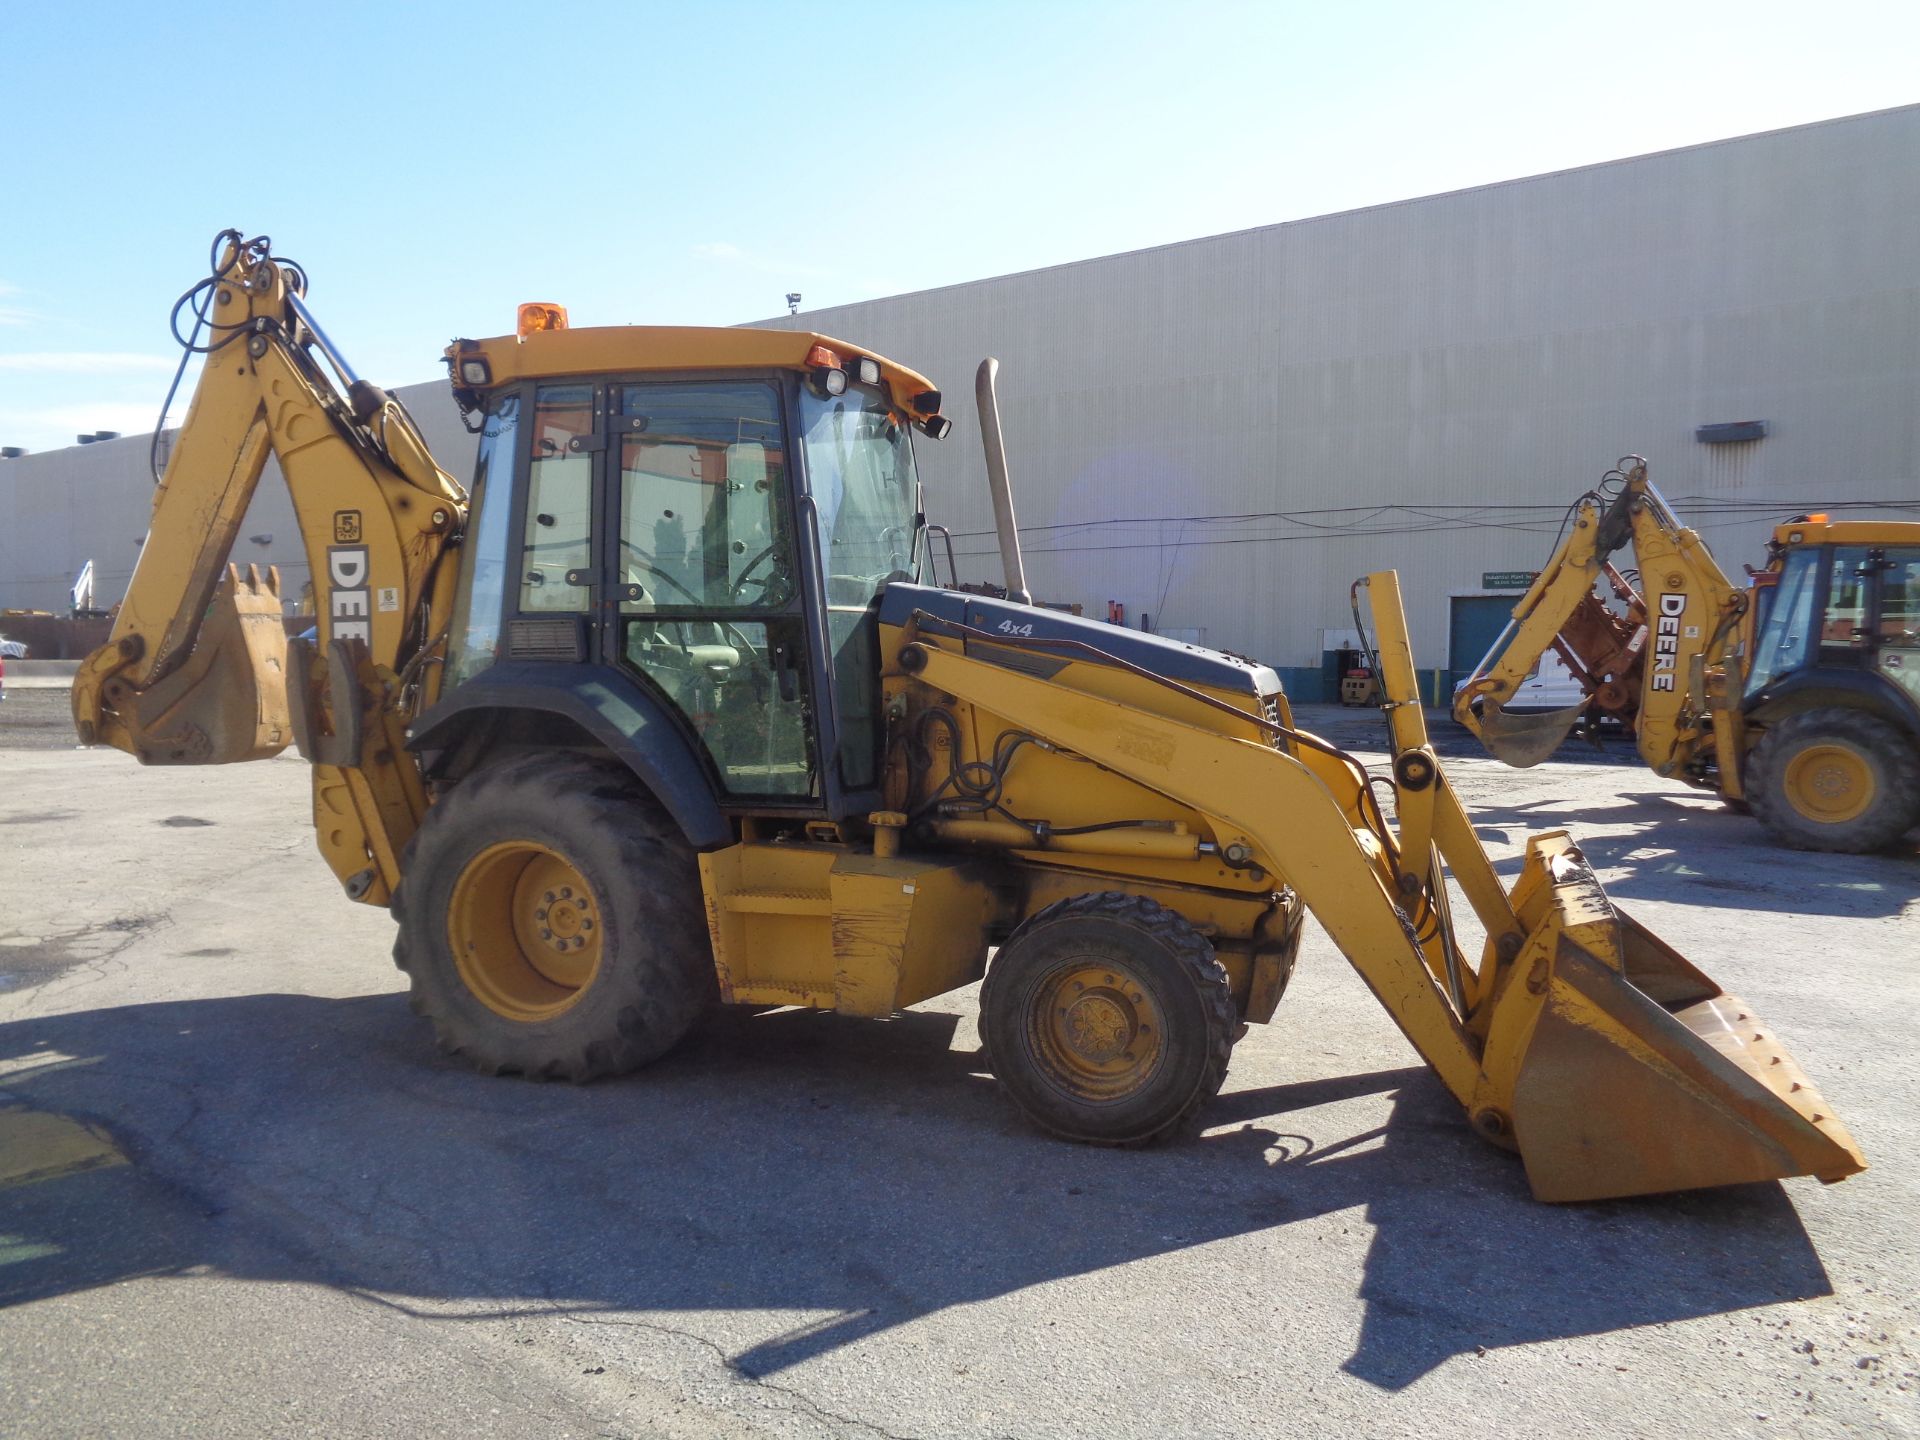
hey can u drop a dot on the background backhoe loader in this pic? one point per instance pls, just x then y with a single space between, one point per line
1797 695
656 713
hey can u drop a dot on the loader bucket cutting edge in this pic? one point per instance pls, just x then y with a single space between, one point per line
1640 1075
1523 740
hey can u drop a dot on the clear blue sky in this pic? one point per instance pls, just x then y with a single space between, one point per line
433 165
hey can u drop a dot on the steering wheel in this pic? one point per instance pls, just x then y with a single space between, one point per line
641 559
773 589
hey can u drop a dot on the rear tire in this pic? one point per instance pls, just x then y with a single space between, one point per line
1108 1019
551 922
1835 779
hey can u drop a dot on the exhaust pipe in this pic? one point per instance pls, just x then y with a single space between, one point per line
998 483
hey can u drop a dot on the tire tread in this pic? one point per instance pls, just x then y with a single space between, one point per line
1197 962
602 798
1881 825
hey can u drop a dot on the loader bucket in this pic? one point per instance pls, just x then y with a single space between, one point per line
227 701
1637 1074
1522 740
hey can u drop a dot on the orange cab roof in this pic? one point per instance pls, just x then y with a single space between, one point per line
613 349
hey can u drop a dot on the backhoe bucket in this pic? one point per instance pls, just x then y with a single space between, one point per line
1632 1073
227 701
1524 740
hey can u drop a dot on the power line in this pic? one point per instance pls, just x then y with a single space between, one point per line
1473 517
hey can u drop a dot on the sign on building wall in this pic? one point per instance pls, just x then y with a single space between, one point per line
1507 579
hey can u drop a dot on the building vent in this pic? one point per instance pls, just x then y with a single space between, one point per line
12 452
98 435
1731 433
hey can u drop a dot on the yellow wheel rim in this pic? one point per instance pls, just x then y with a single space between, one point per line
1830 784
1097 1031
526 930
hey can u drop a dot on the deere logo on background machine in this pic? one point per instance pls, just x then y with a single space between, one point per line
1666 642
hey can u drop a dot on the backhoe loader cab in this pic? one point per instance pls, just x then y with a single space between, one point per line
675 544
1840 611
659 713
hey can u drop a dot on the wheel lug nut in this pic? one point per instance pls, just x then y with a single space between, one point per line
566 892
550 897
546 934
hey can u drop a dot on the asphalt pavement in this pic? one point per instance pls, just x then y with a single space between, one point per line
246 1197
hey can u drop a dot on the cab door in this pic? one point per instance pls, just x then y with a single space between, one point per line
1897 647
705 601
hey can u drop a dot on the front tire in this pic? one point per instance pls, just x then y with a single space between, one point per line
551 922
1835 779
1109 1020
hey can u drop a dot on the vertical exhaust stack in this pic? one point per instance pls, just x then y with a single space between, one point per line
997 481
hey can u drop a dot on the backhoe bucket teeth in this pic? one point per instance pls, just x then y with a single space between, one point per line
1523 741
1637 1074
227 701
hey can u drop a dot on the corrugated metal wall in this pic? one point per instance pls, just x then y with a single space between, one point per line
1370 389
1222 434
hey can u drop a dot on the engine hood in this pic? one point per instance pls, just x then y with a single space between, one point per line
1188 664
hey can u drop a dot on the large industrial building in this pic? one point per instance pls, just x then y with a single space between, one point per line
1216 437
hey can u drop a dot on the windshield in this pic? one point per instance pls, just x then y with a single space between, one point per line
1782 646
860 470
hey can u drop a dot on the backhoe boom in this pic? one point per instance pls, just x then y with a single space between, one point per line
198 669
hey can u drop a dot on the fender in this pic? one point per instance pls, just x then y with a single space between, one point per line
623 717
1833 685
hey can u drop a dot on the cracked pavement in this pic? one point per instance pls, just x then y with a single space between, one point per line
800 1225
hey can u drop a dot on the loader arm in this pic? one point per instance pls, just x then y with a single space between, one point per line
1653 663
198 669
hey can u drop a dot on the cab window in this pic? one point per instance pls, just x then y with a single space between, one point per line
709 604
556 554
867 496
1782 646
1848 574
473 638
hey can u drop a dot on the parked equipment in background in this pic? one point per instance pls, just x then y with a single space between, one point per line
1797 695
658 714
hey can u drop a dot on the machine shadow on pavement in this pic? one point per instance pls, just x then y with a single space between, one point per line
1686 849
793 1161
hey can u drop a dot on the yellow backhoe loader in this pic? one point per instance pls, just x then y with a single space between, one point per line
1797 696
655 713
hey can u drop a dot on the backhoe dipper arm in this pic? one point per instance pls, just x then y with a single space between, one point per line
198 669
1659 688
